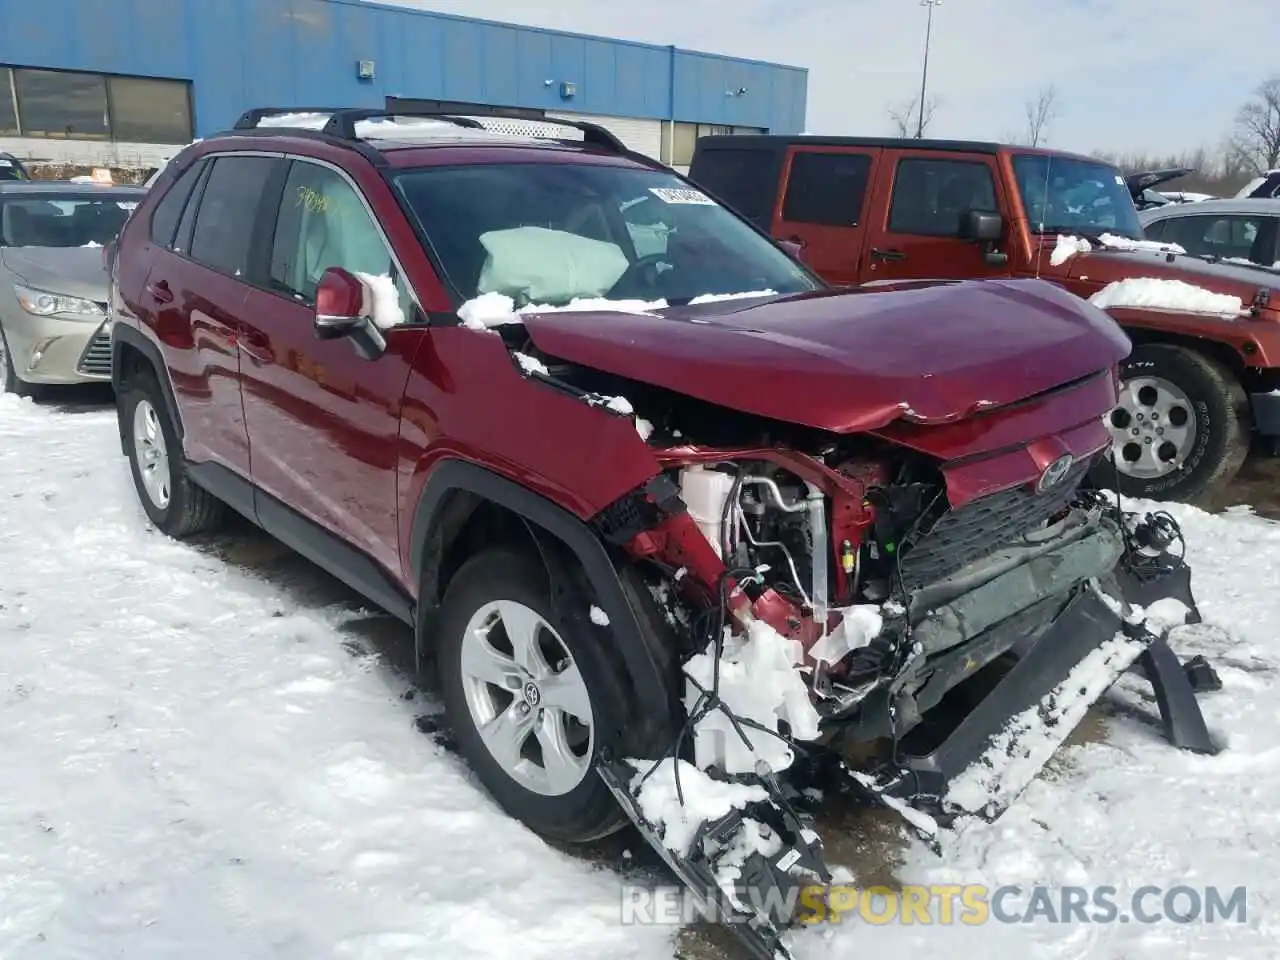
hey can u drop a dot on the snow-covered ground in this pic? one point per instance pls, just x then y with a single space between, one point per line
194 764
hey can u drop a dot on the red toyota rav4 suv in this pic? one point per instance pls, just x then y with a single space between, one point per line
576 422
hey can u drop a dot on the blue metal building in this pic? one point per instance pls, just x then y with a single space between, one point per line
127 75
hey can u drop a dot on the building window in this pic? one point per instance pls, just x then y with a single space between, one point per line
149 111
8 114
677 143
91 106
686 135
66 105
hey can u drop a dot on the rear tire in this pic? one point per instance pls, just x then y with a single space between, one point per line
1173 392
487 601
171 500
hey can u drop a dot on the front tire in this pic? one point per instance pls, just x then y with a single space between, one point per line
9 380
533 693
1181 429
171 500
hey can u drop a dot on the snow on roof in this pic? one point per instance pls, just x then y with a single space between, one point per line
1154 294
395 128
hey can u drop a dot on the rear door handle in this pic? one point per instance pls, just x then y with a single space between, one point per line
160 291
879 254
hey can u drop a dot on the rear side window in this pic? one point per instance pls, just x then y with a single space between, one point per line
826 188
929 196
1230 237
164 221
746 180
229 205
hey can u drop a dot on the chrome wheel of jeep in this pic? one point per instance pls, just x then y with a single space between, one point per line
151 454
527 698
1153 428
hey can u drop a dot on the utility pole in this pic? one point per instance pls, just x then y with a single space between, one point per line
924 73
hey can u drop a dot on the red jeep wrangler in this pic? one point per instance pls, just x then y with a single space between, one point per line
653 498
1205 369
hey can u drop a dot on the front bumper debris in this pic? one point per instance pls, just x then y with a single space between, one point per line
1107 627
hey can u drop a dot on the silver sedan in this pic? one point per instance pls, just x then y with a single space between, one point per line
53 280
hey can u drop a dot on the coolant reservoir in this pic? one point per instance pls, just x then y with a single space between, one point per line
705 492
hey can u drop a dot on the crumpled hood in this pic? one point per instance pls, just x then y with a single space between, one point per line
850 361
71 271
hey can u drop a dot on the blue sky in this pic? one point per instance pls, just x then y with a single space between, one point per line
1132 75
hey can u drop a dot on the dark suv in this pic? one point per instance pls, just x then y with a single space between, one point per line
603 444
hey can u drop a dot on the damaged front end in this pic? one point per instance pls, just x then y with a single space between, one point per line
852 631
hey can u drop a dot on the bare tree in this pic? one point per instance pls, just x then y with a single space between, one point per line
1255 142
906 117
1040 113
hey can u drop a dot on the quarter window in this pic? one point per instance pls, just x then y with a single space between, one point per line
930 196
164 221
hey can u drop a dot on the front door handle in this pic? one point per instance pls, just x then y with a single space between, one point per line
160 291
254 345
880 254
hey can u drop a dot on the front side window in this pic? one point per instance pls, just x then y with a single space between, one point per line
323 223
64 220
1079 197
930 196
552 233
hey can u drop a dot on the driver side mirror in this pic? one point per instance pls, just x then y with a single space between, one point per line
793 247
343 310
980 225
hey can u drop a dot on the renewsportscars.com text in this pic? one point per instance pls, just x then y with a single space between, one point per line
945 904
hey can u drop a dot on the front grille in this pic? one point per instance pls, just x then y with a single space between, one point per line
96 359
959 537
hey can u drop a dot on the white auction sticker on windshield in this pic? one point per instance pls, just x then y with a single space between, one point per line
1119 180
6 163
127 204
677 195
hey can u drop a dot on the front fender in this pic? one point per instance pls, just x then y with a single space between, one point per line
650 671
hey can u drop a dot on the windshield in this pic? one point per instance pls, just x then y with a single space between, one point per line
63 220
546 233
1064 195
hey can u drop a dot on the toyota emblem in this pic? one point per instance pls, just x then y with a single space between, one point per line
1054 473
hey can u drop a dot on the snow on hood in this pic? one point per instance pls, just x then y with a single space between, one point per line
1068 247
496 309
1149 293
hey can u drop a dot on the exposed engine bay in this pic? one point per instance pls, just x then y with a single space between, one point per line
857 622
926 645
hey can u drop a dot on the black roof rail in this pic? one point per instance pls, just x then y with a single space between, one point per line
342 121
